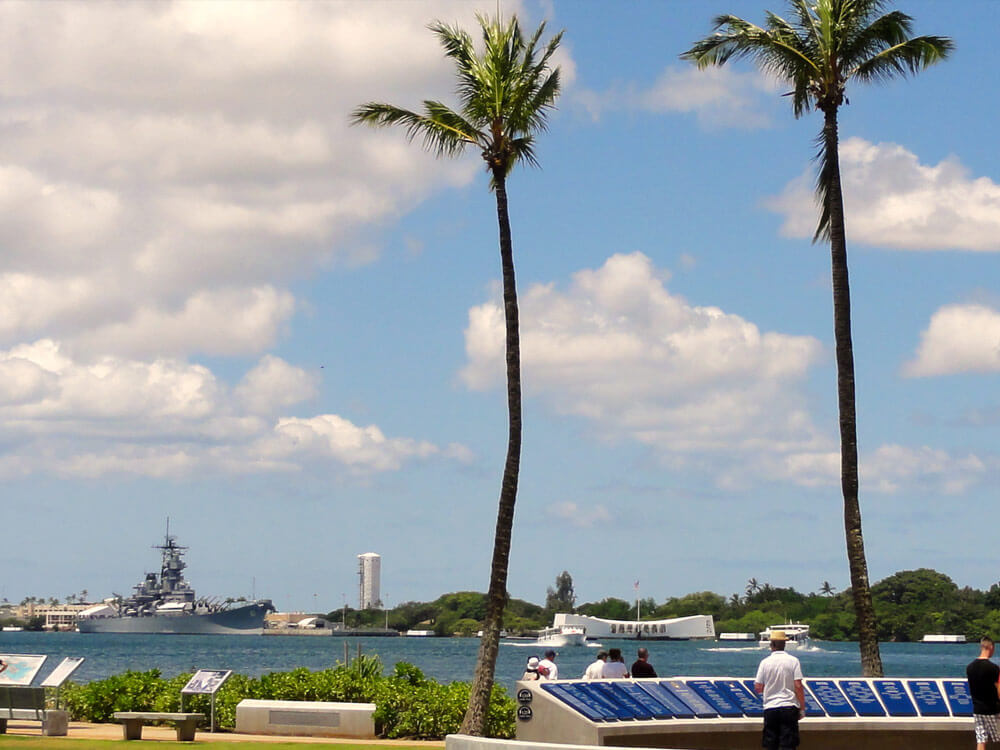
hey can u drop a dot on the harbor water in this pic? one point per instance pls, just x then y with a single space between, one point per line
449 659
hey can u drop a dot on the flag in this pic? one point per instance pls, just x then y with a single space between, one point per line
636 585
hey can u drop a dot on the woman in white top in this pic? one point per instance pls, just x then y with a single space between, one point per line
615 667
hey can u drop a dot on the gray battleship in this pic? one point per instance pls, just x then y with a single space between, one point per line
167 604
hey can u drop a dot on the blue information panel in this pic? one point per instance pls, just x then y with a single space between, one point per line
894 697
928 697
619 711
716 698
862 697
701 708
579 701
830 697
656 709
957 693
673 704
748 701
621 698
813 707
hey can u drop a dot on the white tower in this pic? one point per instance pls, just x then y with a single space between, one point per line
369 571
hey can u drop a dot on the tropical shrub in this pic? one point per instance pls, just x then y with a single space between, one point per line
408 704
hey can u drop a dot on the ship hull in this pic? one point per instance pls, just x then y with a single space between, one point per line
247 620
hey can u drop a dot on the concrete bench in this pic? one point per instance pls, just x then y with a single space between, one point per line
132 722
27 703
306 718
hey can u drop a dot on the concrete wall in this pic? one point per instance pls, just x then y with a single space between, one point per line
306 718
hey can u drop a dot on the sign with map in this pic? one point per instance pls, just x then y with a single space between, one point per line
206 681
61 673
21 668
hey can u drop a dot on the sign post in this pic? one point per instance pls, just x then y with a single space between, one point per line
206 682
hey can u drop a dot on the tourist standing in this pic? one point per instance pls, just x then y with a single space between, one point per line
642 667
614 668
531 670
984 687
779 679
549 663
596 669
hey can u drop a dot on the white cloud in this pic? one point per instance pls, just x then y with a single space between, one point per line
330 436
701 387
892 200
274 384
719 97
960 338
166 159
573 514
89 418
889 469
619 350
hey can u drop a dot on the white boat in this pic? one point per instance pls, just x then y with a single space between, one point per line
737 636
561 636
943 638
796 633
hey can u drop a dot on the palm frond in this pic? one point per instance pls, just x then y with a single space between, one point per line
824 180
908 57
442 130
505 91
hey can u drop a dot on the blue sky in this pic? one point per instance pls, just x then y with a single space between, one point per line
223 305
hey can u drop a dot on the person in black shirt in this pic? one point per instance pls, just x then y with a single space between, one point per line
984 687
642 667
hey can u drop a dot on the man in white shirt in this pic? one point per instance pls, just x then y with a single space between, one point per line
594 671
549 662
779 679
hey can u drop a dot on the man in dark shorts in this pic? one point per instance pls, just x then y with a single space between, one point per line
984 687
779 679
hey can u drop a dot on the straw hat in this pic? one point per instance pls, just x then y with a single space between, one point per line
778 635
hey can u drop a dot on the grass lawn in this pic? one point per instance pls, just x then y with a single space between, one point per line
68 743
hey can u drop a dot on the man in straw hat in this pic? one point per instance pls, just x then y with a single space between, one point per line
779 679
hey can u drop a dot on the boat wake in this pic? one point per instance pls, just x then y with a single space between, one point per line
761 651
535 644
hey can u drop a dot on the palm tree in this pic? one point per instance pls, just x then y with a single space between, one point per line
506 93
753 587
826 589
826 44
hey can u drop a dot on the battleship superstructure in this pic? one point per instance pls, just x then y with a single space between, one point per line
166 603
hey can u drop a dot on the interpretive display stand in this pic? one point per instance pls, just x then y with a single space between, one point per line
206 682
21 668
61 673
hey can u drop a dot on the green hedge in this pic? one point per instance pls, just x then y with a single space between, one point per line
408 704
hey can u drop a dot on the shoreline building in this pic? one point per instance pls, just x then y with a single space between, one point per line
369 573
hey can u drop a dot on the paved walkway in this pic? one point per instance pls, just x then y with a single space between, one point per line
81 730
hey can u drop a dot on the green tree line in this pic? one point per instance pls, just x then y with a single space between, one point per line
908 605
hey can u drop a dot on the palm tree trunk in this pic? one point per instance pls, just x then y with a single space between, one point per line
474 722
871 659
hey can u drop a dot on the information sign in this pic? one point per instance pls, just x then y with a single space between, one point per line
21 668
206 681
830 697
895 699
61 673
862 697
957 693
749 703
702 709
